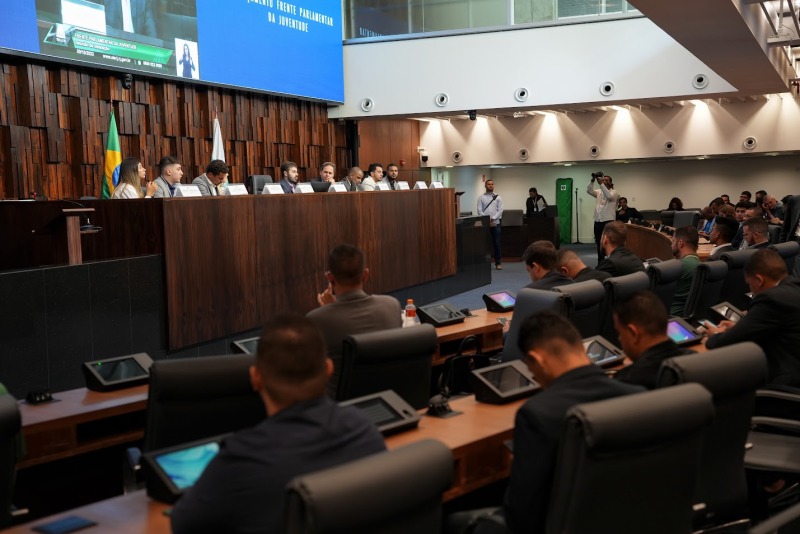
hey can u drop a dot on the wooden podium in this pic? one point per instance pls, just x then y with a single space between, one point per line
73 219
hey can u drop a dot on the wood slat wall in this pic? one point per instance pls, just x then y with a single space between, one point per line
392 141
54 127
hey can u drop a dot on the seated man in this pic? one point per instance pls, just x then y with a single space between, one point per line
619 260
641 324
540 261
327 173
170 174
570 264
289 176
773 319
345 309
738 242
721 237
242 489
208 183
353 179
756 232
684 248
553 350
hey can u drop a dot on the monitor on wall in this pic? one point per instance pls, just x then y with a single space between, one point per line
283 47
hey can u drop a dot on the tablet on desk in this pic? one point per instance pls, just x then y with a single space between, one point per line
727 311
682 332
601 351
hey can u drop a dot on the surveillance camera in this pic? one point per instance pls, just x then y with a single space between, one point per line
424 158
473 114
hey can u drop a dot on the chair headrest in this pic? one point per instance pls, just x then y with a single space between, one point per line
583 294
666 271
725 372
395 343
737 258
790 248
208 376
628 422
625 285
713 270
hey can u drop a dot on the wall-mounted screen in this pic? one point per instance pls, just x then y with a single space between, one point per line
286 47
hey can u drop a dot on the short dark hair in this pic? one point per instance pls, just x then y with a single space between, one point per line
689 235
748 194
616 233
165 162
544 329
727 228
757 224
346 264
373 166
392 165
766 262
541 252
645 310
291 358
533 190
716 202
216 167
757 212
327 164
746 204
761 193
286 165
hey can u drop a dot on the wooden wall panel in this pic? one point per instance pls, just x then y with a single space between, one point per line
54 128
392 141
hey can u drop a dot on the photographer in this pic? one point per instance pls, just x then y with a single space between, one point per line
605 205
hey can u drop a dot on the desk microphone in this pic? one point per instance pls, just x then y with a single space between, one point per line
88 226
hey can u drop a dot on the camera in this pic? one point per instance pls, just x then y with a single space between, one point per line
598 174
424 158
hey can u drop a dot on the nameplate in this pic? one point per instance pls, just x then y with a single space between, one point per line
304 188
380 186
403 186
337 188
420 185
234 190
187 191
272 189
437 185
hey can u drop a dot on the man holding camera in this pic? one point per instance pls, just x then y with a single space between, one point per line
605 205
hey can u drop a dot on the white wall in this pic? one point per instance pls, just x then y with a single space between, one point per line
558 65
647 185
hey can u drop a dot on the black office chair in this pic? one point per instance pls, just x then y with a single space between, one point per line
788 252
619 288
663 280
628 464
399 491
512 217
732 375
530 301
774 234
650 215
785 522
686 218
734 287
706 288
668 217
584 304
255 183
10 426
398 359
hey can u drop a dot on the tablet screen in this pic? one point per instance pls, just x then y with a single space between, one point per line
503 299
597 353
378 411
185 466
506 378
115 370
728 313
442 314
679 333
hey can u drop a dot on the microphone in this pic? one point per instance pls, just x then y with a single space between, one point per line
88 226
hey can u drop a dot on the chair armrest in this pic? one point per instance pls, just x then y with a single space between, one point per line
778 394
774 422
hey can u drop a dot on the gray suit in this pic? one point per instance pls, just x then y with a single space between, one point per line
163 188
206 187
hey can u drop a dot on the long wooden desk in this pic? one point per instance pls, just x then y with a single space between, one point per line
649 243
476 438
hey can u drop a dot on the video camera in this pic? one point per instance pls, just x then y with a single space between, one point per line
598 174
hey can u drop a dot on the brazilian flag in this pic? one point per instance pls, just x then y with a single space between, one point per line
113 159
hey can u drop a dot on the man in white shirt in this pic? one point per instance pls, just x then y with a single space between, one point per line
133 16
491 204
209 182
374 175
605 205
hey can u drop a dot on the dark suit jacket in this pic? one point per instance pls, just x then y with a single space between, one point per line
773 322
243 488
791 219
644 371
142 15
537 429
286 186
550 280
620 262
591 274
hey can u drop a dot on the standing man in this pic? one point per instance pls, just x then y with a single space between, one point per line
327 173
391 176
605 206
133 16
684 248
353 179
374 175
170 173
491 204
535 202
288 176
208 182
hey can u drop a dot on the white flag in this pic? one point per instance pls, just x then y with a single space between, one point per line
218 151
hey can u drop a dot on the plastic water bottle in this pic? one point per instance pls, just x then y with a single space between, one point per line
411 314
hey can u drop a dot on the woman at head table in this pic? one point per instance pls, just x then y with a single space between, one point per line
132 176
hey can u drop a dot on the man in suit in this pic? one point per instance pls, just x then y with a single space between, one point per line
721 236
756 232
641 325
327 173
791 226
169 174
353 179
738 241
346 309
553 350
570 264
243 488
288 176
133 16
392 171
208 183
773 319
541 263
619 260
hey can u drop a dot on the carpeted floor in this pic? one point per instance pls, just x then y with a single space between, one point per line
512 278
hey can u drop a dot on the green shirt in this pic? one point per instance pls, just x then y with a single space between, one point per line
689 264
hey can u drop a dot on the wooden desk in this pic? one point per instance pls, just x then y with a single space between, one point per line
476 438
483 325
649 243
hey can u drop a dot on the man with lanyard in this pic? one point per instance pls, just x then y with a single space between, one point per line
491 205
605 205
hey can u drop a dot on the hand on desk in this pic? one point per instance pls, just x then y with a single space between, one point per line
326 297
721 327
